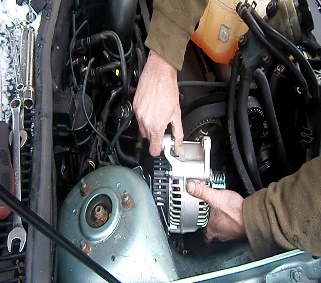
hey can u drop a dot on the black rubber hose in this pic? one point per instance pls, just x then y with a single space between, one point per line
202 84
292 49
245 135
140 42
140 61
269 113
105 113
256 30
42 226
231 127
131 160
122 128
275 82
84 43
104 69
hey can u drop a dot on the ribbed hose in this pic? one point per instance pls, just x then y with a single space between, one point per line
258 33
231 127
269 113
292 49
245 135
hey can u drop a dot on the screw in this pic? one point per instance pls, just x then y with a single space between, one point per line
85 247
85 188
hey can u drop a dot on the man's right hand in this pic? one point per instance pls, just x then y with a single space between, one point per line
156 103
226 217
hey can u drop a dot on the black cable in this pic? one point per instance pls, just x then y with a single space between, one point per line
71 47
202 84
256 30
122 128
244 132
269 113
231 127
292 49
84 106
140 42
43 227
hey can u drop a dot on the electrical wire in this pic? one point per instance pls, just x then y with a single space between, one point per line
71 47
84 106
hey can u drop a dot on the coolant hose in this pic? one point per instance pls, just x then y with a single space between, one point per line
292 49
243 123
269 113
42 226
231 127
246 16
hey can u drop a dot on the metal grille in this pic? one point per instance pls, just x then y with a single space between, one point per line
12 265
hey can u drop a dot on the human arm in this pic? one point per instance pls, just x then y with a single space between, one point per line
284 216
156 102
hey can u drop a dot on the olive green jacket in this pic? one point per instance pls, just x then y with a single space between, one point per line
287 214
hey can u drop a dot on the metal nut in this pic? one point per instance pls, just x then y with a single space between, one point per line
85 247
127 201
101 215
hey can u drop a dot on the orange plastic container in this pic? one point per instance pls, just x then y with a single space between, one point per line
219 30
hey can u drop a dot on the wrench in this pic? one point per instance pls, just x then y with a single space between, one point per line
18 232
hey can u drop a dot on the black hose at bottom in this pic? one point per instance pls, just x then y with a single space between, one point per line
245 135
231 127
43 227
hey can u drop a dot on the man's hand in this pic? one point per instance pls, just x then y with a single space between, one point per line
226 219
156 103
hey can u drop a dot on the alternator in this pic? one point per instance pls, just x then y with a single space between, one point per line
182 212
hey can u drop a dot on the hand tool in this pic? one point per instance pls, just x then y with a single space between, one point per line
18 232
5 161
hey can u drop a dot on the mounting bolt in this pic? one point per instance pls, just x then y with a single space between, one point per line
295 276
127 201
272 8
85 247
85 188
242 41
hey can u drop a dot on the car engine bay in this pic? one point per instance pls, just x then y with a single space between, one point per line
87 171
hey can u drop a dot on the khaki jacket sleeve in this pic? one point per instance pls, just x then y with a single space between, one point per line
287 214
173 22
